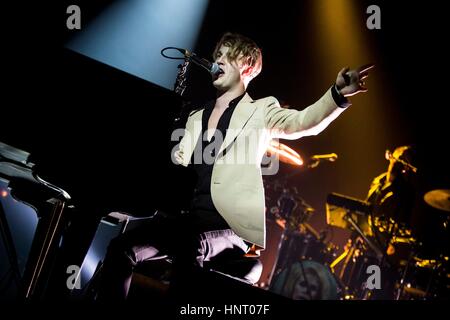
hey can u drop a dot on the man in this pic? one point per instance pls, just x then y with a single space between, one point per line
392 196
235 189
224 143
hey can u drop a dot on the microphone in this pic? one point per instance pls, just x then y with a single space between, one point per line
390 156
212 67
328 157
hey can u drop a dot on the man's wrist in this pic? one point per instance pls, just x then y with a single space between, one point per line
339 98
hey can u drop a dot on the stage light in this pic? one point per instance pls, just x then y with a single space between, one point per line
341 38
129 36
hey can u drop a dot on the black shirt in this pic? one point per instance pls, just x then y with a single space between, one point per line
202 206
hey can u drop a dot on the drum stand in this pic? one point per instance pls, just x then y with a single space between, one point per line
403 278
288 204
286 246
353 248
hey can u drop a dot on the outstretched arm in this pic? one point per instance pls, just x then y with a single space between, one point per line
293 124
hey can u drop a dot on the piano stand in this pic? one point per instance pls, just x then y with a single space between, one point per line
14 272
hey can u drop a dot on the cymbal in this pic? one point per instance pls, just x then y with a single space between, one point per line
439 199
284 153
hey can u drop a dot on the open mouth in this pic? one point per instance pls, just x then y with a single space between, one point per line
219 74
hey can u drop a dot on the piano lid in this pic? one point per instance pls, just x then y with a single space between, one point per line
13 154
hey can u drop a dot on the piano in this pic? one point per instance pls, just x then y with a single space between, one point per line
341 209
51 204
352 214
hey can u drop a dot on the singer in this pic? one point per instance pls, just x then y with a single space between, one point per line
227 217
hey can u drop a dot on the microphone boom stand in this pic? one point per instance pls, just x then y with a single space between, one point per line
180 86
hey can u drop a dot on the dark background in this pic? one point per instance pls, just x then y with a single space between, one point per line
103 135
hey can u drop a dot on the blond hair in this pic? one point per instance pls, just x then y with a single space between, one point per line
241 49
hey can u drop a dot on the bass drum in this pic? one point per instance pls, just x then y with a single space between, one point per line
306 280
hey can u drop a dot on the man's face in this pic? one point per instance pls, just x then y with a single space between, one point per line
231 75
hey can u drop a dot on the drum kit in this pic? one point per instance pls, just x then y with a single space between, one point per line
302 264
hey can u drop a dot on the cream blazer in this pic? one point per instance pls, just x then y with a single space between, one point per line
236 183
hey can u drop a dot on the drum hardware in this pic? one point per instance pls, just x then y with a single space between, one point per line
356 215
413 291
356 227
381 235
350 270
401 284
306 227
351 249
290 210
402 239
339 259
420 278
424 278
351 252
299 241
297 248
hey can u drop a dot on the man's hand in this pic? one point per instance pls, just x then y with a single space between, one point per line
351 82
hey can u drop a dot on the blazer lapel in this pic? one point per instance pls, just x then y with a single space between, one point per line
244 110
